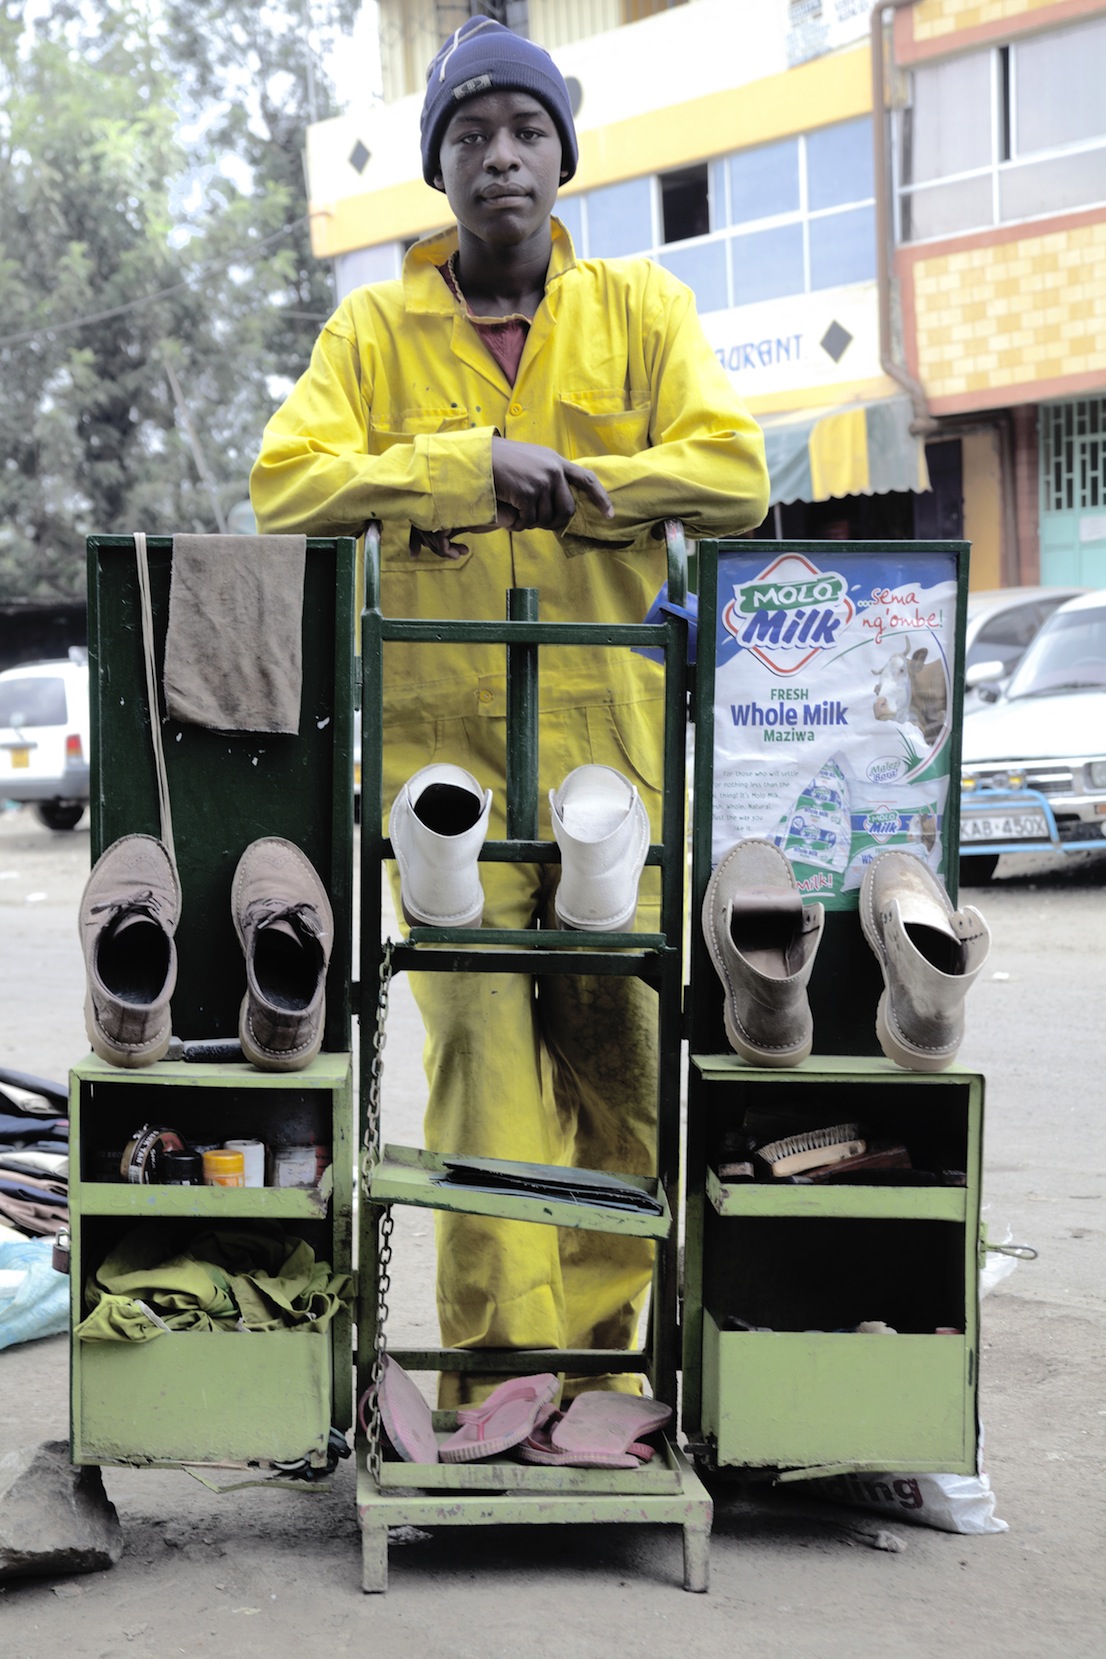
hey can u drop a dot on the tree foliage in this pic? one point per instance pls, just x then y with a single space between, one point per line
156 282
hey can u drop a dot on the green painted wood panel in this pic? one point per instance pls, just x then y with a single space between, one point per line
227 788
201 1396
788 1399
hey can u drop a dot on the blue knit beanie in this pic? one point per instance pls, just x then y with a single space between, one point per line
484 56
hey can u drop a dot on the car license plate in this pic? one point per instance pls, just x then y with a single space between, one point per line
1005 826
21 759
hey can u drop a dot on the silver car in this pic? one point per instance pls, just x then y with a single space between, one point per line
44 739
1033 774
1002 624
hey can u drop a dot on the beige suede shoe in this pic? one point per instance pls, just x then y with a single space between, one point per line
128 917
286 929
930 955
762 940
438 824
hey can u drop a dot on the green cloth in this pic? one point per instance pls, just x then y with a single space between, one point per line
253 1278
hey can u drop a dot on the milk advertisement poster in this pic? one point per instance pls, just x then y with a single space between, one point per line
833 707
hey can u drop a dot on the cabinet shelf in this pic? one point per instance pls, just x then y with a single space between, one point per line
146 1203
899 1203
326 1071
862 1070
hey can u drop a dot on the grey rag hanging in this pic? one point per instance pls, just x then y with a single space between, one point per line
234 647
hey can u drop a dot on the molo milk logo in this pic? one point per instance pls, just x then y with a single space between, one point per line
789 613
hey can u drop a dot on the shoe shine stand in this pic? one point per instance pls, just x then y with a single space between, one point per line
502 1491
217 1398
778 1383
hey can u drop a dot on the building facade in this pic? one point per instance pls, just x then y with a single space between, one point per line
914 305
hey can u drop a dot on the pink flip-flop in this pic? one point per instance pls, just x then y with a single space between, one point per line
504 1419
606 1422
405 1414
539 1448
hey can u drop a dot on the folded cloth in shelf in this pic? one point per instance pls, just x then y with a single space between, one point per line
250 1277
553 1181
234 646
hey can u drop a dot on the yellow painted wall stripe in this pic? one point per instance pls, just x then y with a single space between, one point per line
835 88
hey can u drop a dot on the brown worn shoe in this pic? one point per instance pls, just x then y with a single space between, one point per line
128 916
930 955
286 929
762 940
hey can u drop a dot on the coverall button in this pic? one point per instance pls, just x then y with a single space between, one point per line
485 696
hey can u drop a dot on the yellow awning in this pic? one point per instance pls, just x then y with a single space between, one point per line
863 449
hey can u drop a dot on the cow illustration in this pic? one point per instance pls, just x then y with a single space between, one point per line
911 691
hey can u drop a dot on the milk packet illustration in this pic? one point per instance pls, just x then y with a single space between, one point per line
815 832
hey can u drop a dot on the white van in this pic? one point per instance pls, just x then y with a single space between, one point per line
44 739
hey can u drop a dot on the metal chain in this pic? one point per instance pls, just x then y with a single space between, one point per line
384 1235
376 1064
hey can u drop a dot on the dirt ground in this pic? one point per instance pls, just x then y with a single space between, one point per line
277 1573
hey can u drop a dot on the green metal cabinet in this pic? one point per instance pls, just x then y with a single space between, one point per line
778 1277
218 1398
776 1377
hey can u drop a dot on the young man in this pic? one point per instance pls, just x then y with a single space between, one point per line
515 417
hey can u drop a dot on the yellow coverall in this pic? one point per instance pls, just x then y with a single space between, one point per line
393 420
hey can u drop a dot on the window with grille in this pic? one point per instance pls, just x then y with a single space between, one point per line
1073 454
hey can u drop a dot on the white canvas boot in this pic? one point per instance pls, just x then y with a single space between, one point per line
438 824
762 940
602 828
930 955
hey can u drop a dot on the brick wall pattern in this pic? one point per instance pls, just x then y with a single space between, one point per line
1011 313
935 18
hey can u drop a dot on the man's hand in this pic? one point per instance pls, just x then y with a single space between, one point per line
440 542
537 485
533 491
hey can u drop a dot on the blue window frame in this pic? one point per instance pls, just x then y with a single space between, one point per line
839 165
620 218
767 264
764 182
843 248
703 267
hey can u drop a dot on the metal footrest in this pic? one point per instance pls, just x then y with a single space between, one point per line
500 1493
516 1192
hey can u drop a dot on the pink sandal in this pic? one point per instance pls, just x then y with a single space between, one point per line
406 1416
538 1447
597 1431
503 1420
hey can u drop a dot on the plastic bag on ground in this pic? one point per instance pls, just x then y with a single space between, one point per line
949 1503
37 1303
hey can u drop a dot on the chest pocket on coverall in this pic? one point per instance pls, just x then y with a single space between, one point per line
605 422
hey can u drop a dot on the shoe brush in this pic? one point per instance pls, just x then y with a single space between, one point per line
812 1149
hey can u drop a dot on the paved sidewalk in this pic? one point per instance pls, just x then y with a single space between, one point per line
276 1574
